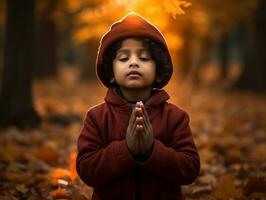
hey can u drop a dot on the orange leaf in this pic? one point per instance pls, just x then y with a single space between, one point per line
72 162
226 189
185 4
255 185
48 154
58 173
59 193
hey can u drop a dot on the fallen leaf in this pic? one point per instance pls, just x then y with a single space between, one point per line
60 193
58 173
72 163
225 188
22 188
48 153
255 185
258 152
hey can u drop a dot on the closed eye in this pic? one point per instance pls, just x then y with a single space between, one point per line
144 58
123 59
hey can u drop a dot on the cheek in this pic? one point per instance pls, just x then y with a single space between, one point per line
152 70
117 69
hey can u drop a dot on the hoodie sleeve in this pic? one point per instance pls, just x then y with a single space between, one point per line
179 162
97 164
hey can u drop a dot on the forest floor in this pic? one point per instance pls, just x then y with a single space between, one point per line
229 129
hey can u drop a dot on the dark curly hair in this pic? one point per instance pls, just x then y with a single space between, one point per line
158 54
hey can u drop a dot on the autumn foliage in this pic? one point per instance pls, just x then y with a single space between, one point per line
229 131
229 127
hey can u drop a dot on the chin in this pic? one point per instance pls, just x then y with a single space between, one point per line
135 86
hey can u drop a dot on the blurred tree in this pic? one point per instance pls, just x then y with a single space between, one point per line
2 9
16 105
197 43
197 46
230 49
96 17
76 51
184 54
46 39
67 51
213 29
224 45
90 25
88 60
254 74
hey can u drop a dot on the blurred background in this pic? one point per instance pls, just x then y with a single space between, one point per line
218 44
48 82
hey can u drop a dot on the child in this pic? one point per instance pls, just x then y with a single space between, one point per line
136 145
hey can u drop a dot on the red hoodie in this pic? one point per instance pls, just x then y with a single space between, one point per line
105 163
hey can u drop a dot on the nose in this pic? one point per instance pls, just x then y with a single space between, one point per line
133 62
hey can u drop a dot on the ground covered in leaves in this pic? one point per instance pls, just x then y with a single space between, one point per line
229 130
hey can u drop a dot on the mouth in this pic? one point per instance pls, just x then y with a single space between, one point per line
134 73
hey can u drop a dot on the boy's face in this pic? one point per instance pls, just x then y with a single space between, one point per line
133 66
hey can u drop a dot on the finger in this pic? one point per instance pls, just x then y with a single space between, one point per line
139 133
132 117
147 127
145 116
134 127
139 108
138 104
144 111
138 111
146 122
139 129
139 120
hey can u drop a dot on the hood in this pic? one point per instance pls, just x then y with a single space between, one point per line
132 25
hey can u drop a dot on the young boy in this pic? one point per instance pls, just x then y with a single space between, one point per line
136 145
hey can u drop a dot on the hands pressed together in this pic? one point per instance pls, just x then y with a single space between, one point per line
139 135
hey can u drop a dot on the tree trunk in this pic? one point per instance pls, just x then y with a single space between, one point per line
185 54
88 59
1 51
16 104
46 41
223 56
254 74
